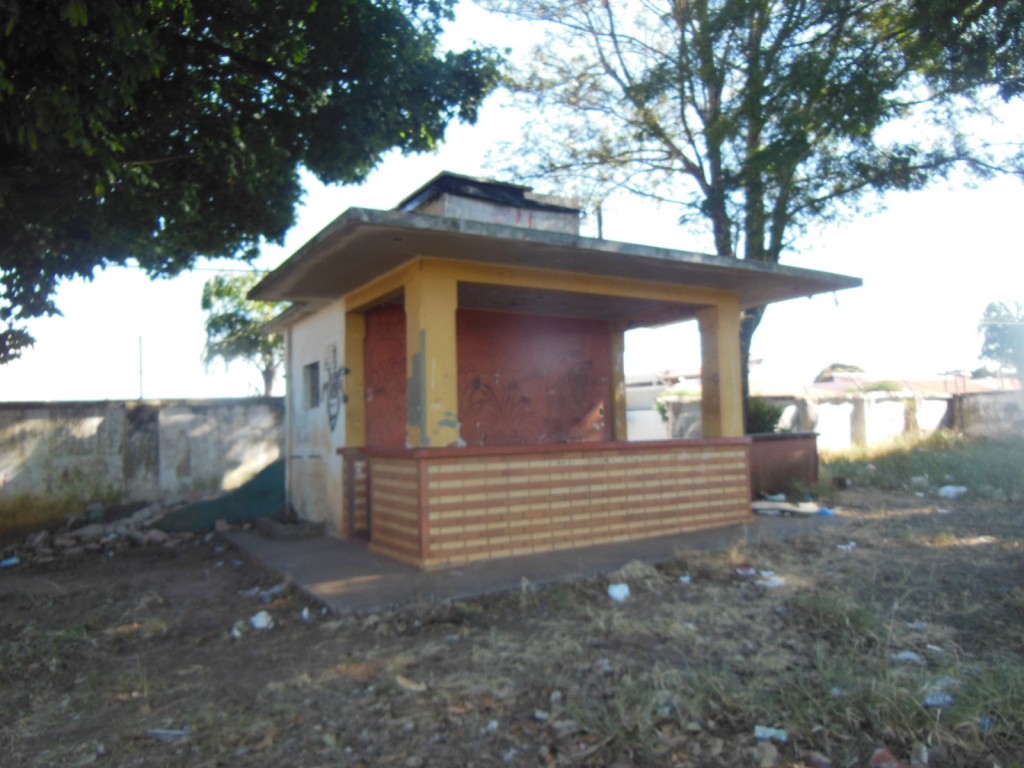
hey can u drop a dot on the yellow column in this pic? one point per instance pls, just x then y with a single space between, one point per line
431 300
721 388
355 381
618 405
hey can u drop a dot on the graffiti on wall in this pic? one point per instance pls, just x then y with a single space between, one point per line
501 408
526 380
334 386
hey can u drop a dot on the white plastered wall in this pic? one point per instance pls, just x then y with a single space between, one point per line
317 430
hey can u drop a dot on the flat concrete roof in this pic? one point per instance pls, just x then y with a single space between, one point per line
364 244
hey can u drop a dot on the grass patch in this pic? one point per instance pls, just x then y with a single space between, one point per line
836 618
989 469
53 646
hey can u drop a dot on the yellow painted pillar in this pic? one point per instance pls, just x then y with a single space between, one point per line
721 388
618 382
431 301
355 381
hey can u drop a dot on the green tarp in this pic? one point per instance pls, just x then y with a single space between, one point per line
263 496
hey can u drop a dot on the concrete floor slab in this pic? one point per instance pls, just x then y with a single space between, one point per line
346 576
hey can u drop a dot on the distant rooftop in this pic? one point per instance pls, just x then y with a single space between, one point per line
485 190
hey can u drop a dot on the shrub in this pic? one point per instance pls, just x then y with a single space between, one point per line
762 416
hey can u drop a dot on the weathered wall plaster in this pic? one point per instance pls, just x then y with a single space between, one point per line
316 416
56 458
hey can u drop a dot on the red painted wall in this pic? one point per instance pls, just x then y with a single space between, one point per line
529 380
386 400
523 379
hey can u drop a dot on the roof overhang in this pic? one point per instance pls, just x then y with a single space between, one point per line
362 245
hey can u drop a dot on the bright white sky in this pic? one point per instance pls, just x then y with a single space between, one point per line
930 263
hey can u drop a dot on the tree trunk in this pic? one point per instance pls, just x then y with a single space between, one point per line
269 374
748 324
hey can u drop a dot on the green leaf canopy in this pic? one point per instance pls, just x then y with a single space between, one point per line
163 131
234 326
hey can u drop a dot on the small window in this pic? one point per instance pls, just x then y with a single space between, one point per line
311 385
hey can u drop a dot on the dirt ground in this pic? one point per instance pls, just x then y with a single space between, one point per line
902 629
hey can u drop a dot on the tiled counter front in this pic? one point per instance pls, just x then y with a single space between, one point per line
444 506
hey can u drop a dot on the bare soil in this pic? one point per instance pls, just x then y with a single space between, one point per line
131 659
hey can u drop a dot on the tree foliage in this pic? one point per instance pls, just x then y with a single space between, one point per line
234 326
965 43
1002 326
757 117
162 131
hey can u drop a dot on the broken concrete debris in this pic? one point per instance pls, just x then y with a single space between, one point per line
88 533
81 534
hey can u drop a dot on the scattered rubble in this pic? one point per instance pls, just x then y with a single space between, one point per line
88 533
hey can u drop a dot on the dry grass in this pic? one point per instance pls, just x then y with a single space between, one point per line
106 666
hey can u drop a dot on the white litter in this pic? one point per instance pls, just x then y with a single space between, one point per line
908 657
685 579
769 580
952 491
262 620
764 733
938 699
847 547
618 592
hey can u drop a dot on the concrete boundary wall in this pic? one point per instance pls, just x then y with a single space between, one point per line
990 414
866 419
59 457
872 418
